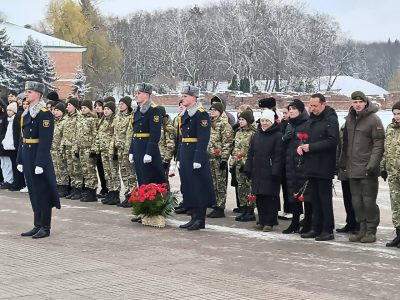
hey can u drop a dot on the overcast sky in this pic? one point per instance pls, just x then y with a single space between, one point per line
363 20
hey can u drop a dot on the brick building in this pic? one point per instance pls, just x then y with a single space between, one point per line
67 57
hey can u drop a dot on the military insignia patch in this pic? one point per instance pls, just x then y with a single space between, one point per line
46 123
156 119
204 123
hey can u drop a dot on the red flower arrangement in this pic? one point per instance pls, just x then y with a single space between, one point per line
217 151
300 194
240 155
302 136
251 197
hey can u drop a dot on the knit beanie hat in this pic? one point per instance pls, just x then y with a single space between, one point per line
88 104
247 114
99 102
267 103
53 96
109 99
396 106
298 104
110 105
74 102
268 115
51 102
13 107
218 106
163 111
358 95
127 100
61 107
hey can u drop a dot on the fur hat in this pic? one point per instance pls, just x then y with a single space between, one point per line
191 90
247 114
35 86
53 96
127 100
396 106
358 95
298 104
88 104
74 102
144 88
13 107
218 106
268 115
61 107
267 103
110 105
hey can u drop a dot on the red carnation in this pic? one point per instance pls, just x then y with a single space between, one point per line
305 136
240 155
251 197
301 198
217 151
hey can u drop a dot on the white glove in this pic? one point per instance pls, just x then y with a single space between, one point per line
38 170
178 164
196 166
130 158
20 168
147 159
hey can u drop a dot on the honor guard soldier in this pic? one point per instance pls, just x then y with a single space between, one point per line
193 161
34 159
144 150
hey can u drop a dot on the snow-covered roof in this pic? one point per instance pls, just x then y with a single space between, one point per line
18 35
345 85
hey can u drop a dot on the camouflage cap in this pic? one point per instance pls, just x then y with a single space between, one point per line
144 88
35 86
191 90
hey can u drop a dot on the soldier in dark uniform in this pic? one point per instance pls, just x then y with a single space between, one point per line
34 159
144 150
193 161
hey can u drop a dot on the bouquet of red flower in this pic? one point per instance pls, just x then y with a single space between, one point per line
153 202
251 197
300 194
240 155
302 137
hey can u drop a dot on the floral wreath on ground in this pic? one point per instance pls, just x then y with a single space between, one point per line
153 202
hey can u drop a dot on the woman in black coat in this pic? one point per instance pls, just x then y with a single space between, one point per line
295 178
264 167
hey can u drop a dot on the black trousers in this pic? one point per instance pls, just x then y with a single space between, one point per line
267 208
100 170
19 180
321 200
199 213
348 206
287 208
42 218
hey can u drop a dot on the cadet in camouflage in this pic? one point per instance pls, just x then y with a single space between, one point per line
167 140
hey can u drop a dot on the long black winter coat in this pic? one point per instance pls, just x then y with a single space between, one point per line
323 131
265 161
3 128
295 177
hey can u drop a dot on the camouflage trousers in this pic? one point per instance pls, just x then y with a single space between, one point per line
74 168
127 170
394 187
60 167
219 180
88 168
111 172
244 189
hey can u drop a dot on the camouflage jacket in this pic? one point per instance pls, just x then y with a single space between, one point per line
58 133
104 139
70 129
121 130
391 156
167 140
221 139
241 145
86 132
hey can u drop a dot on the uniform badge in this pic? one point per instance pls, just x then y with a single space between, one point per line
156 119
46 123
204 123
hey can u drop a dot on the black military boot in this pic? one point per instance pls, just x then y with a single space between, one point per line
31 232
190 223
90 195
114 199
106 198
102 194
72 192
84 195
217 213
63 191
42 233
310 235
239 209
77 195
241 216
249 216
396 241
197 225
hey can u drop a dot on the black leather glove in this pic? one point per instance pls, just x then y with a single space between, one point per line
115 157
76 154
241 169
92 154
384 175
222 165
165 165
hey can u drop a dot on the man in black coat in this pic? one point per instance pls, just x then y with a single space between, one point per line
34 159
319 165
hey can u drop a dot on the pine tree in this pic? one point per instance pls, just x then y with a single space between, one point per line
33 64
245 85
235 85
79 85
7 73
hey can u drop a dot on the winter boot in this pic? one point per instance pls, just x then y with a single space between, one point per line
72 192
114 199
106 198
249 216
90 196
396 241
239 209
77 195
358 236
197 225
217 213
241 216
293 228
63 191
369 237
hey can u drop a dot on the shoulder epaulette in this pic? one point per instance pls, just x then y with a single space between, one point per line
201 109
44 109
153 105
